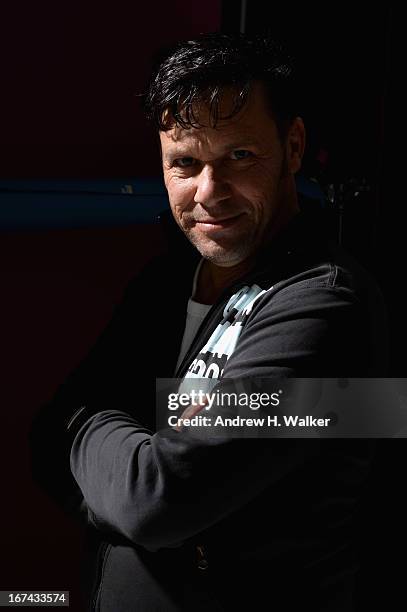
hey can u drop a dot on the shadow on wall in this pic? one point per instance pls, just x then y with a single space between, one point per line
59 289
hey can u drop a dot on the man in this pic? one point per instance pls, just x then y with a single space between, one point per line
178 521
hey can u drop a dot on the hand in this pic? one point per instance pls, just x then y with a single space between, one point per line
189 412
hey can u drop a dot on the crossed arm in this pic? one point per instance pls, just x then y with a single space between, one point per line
157 489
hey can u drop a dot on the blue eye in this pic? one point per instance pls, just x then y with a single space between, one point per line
184 162
240 154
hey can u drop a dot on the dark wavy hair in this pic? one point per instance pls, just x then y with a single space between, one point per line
199 70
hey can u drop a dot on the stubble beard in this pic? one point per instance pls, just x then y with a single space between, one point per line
231 252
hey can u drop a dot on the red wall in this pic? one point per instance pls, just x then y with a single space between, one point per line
68 75
69 72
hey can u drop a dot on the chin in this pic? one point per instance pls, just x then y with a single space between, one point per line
222 256
225 252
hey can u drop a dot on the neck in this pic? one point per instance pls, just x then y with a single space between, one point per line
213 279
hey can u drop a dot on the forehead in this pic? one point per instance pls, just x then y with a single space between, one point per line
254 124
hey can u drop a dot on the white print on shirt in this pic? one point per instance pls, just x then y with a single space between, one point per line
212 358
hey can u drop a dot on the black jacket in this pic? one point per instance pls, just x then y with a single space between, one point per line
176 522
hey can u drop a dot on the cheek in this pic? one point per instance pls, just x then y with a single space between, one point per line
254 188
180 194
259 189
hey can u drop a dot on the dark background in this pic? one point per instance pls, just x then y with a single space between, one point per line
68 114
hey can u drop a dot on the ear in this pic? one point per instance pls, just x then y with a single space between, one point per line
295 144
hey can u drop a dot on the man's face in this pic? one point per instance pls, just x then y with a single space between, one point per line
231 187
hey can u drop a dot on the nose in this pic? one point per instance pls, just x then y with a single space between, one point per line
211 187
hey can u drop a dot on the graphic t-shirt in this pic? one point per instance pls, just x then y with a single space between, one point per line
212 358
196 313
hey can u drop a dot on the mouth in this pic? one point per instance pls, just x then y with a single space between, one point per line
218 224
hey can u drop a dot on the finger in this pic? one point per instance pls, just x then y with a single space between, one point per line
189 412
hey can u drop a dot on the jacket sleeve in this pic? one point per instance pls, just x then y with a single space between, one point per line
159 489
